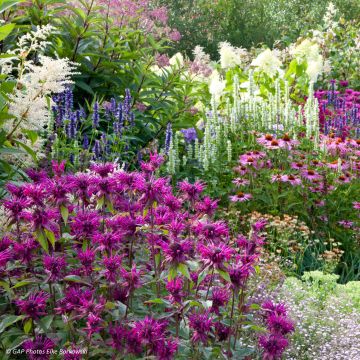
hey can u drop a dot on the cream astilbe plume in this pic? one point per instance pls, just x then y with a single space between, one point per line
29 102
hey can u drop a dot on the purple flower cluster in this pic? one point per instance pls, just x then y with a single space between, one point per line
339 111
88 244
70 126
279 327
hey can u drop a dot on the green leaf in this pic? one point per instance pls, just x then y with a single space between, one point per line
28 149
41 238
32 135
45 322
100 203
51 236
5 285
9 320
76 279
5 30
110 305
224 274
27 326
255 307
64 213
172 273
158 301
184 270
85 87
22 283
6 4
157 259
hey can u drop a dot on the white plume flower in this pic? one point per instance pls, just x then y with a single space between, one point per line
217 84
310 52
200 55
231 56
177 60
29 102
267 62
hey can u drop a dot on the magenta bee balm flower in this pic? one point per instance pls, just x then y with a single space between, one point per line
34 306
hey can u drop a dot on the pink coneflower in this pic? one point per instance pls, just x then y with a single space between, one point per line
319 203
240 182
256 154
344 178
270 142
310 175
240 197
298 165
346 224
287 142
356 205
278 178
242 170
248 160
293 180
316 163
336 164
